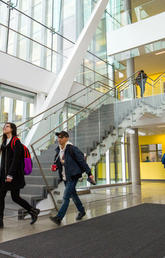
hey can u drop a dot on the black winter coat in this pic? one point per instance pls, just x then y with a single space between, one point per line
75 163
141 76
12 164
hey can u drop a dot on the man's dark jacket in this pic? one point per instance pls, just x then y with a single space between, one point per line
12 164
74 164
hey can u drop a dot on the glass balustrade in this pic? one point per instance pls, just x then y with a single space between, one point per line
120 17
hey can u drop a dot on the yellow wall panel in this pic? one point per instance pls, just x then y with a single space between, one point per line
152 170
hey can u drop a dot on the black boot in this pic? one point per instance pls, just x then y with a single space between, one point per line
56 220
1 224
80 215
34 214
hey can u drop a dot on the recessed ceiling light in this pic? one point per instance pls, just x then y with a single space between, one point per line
160 53
130 131
121 75
141 133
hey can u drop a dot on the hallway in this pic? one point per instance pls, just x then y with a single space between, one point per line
99 202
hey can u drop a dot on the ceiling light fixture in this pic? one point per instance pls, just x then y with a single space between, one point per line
160 53
130 131
141 133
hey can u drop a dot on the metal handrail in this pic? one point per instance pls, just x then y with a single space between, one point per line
118 87
154 81
157 79
24 130
64 100
39 43
35 155
84 108
52 30
66 121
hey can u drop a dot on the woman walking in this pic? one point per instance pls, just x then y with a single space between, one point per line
12 172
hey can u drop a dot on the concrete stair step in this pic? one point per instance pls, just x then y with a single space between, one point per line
52 180
43 164
47 172
31 189
30 198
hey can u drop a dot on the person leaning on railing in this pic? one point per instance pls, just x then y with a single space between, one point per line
141 81
70 163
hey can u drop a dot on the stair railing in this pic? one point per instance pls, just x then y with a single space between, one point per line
79 93
35 146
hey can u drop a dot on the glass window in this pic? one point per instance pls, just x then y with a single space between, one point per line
15 104
151 153
3 37
6 109
4 13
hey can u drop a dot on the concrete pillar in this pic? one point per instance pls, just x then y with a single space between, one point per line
10 114
127 9
129 158
130 62
135 160
131 91
130 67
39 102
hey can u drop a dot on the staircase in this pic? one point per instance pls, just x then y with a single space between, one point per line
104 122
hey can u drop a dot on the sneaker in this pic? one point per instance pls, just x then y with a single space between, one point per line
56 220
80 215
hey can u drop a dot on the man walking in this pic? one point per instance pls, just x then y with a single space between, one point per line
71 164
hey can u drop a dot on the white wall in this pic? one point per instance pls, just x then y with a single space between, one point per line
24 75
137 34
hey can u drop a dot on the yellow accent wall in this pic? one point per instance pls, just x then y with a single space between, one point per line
152 170
149 91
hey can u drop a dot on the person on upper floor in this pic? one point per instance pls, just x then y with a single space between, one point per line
141 81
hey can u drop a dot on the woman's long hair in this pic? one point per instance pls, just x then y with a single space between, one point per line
14 131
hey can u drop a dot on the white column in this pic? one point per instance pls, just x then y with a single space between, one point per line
39 102
10 115
107 167
24 117
130 61
135 160
123 160
130 71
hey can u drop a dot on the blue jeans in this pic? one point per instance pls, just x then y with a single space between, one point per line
142 83
70 192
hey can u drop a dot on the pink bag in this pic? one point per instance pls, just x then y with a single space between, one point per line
28 165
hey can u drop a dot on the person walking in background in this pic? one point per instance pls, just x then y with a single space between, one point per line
71 164
12 172
141 81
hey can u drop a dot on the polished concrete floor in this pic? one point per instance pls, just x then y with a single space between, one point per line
99 202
